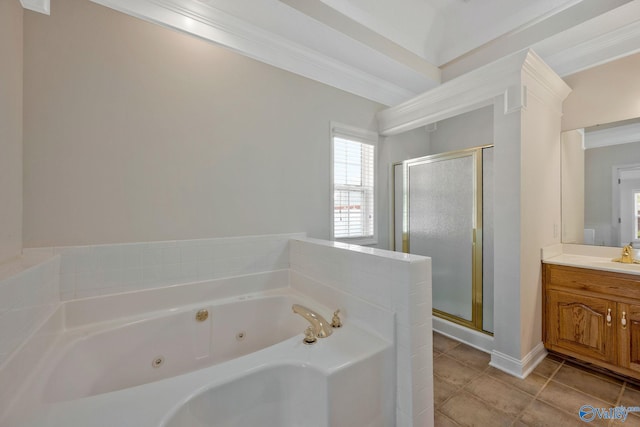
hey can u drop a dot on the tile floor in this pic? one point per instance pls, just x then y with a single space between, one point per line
468 392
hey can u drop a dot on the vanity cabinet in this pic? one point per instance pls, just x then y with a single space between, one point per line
593 315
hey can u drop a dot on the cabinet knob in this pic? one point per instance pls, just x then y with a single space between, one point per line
608 317
624 320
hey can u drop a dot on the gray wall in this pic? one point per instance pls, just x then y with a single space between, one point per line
468 130
394 149
134 132
598 197
11 21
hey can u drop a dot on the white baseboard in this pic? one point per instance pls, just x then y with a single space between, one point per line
476 339
520 368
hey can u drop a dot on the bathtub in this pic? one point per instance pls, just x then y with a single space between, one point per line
245 364
163 345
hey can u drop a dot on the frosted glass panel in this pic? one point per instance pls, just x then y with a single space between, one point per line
487 239
441 212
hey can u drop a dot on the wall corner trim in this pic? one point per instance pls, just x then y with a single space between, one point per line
473 90
520 368
41 6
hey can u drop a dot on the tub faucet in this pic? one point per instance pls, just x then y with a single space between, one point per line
321 328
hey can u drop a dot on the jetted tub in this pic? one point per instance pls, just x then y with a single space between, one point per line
245 361
113 357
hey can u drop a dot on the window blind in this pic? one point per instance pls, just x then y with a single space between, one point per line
353 188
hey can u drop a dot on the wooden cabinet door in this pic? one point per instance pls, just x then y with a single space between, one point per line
579 324
628 324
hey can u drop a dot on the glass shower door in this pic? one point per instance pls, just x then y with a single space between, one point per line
443 220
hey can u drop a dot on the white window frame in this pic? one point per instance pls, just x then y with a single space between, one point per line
365 137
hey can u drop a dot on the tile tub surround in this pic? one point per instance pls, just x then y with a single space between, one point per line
346 276
29 299
372 287
29 294
87 271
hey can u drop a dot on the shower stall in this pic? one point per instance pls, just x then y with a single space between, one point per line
443 209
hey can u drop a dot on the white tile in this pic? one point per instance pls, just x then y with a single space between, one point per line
420 335
189 270
68 261
67 295
420 271
206 269
403 335
51 291
220 250
171 272
9 290
132 256
403 420
152 273
88 293
108 257
399 299
111 278
16 325
52 268
67 283
151 255
421 293
420 396
86 281
192 253
170 255
132 276
426 417
86 261
29 288
419 313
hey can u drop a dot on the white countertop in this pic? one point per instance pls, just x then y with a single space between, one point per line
594 257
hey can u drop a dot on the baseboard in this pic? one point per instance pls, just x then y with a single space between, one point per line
520 368
476 339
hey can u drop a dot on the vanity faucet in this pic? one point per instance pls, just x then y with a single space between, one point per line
321 328
627 255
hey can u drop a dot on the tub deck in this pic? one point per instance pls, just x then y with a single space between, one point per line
75 386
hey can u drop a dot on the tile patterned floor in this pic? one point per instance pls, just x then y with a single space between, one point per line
468 392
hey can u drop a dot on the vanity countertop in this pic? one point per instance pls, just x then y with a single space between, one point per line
583 257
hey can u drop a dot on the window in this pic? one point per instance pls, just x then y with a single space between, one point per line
353 180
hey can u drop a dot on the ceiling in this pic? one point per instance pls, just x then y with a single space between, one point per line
391 50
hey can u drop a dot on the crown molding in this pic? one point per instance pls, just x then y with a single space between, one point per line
516 76
615 44
41 6
460 95
543 82
612 136
226 30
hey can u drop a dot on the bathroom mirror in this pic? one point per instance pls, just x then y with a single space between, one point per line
601 184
